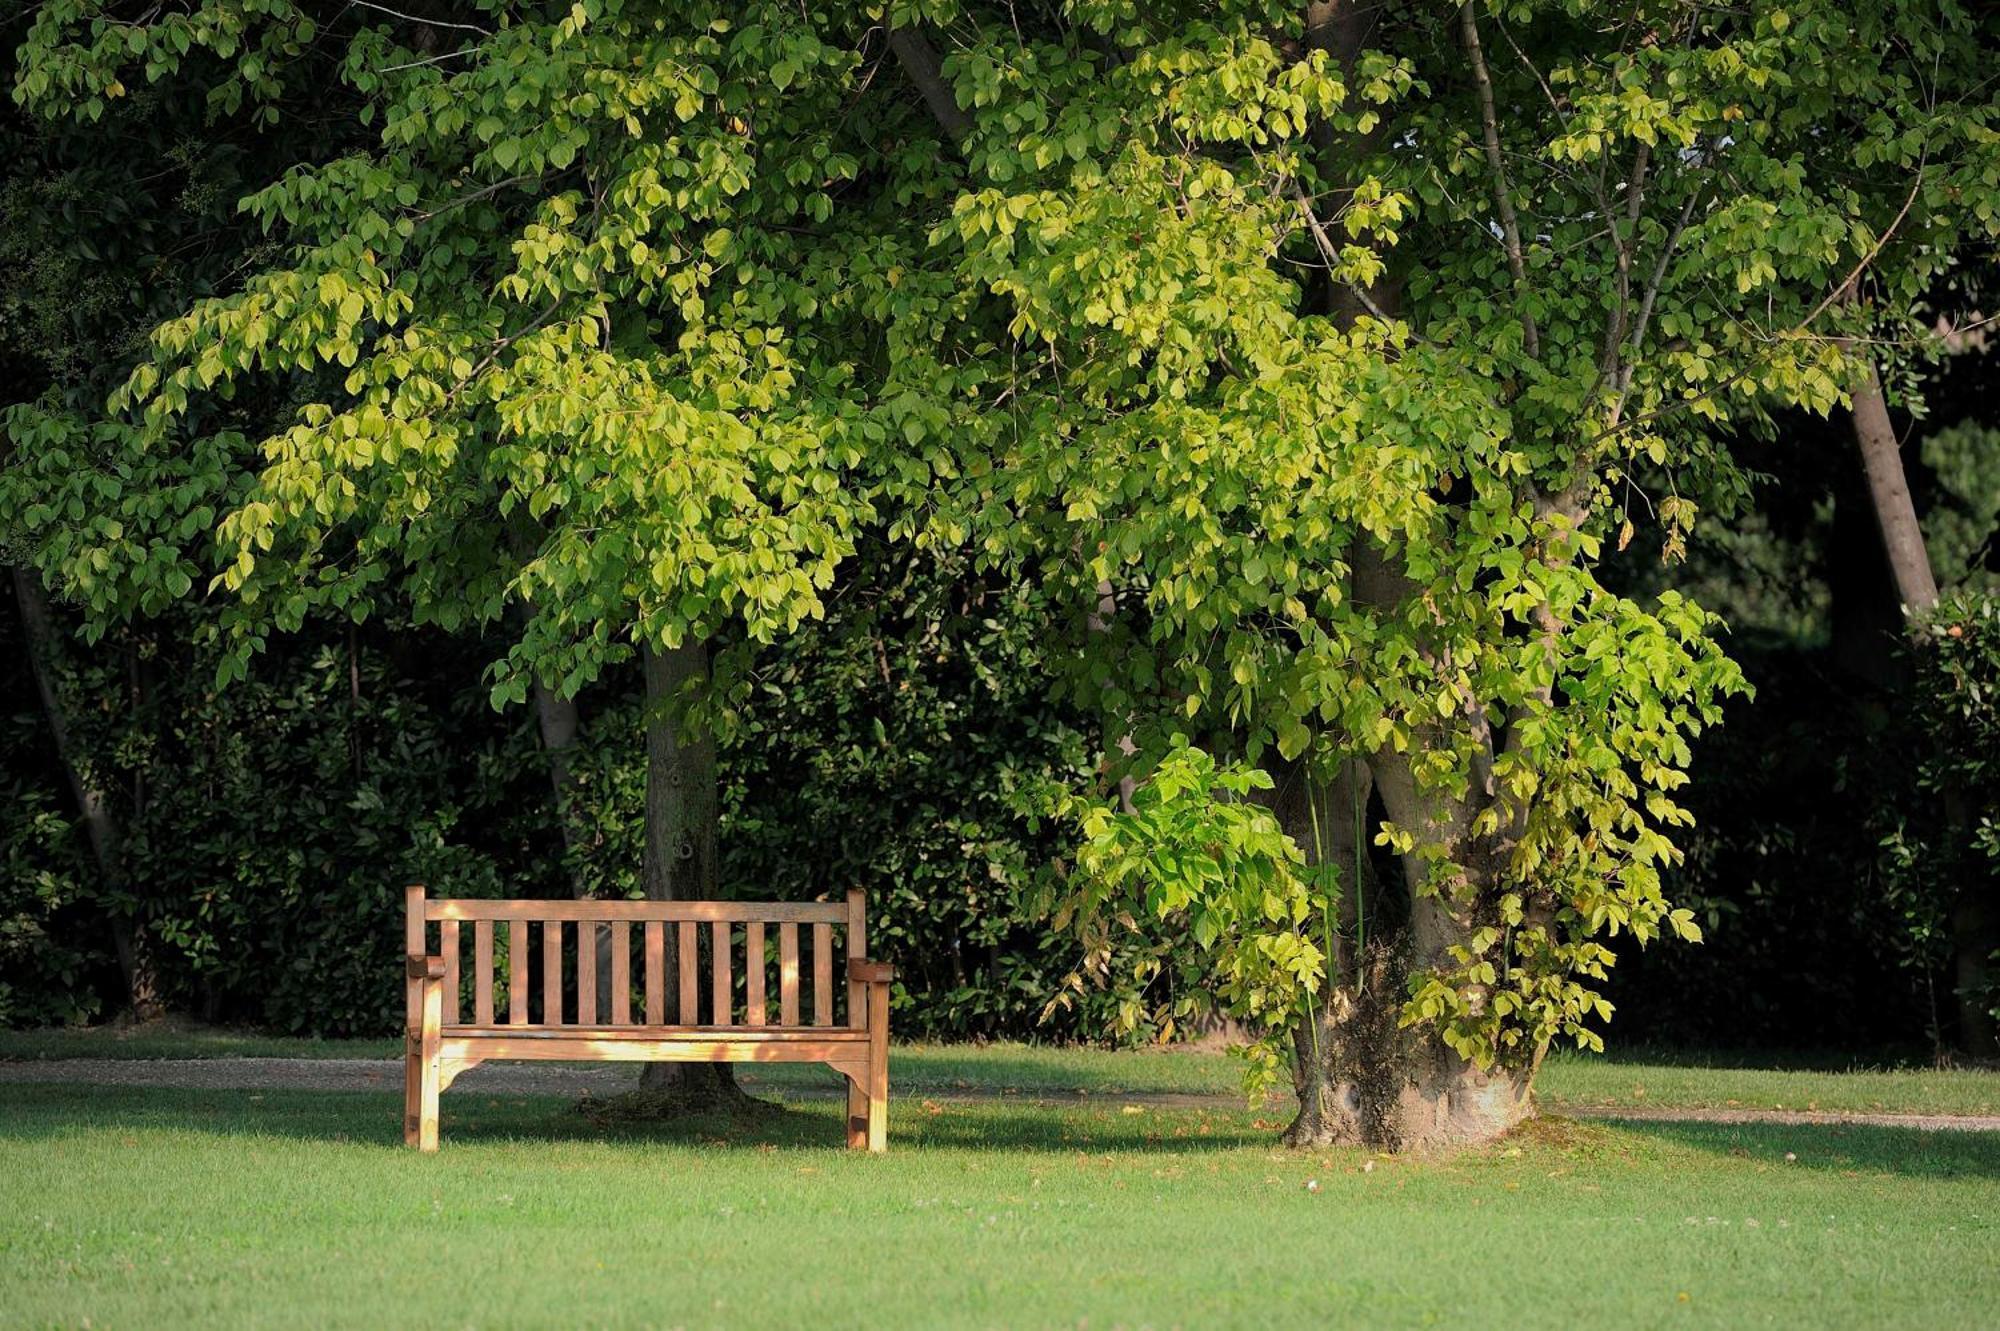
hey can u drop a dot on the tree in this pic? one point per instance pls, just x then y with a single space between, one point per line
1334 343
1339 348
552 297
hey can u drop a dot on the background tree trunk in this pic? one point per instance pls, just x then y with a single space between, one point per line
93 805
1889 491
682 811
1975 925
559 721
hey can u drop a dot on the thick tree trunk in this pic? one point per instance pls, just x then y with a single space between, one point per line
1381 1090
142 990
1361 1080
558 722
1384 1086
682 811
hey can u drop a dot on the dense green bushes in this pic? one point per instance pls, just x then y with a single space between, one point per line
269 828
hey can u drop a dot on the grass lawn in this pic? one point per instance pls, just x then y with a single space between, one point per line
145 1208
1636 1079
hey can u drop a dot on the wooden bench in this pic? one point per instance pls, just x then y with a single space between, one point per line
562 1020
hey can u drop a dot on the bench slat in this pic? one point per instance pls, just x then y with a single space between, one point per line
788 975
822 975
753 973
741 1034
815 1047
736 912
689 975
857 950
586 973
552 973
656 973
517 972
621 974
482 972
722 991
448 944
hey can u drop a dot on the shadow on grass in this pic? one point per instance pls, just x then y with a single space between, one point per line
1836 1147
1908 1058
47 1111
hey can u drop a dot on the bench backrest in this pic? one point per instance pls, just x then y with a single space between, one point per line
581 948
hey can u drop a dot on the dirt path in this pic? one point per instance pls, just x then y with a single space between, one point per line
385 1074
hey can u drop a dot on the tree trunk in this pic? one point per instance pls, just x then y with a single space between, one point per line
1386 1089
1889 492
682 810
1361 1079
142 990
558 721
1975 930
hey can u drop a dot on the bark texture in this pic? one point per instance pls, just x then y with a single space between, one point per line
682 811
1889 492
1362 1079
93 803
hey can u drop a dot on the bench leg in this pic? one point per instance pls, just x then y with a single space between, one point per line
857 1114
412 1087
878 1067
427 1078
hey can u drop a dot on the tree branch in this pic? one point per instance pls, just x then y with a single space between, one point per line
415 18
920 62
1332 255
1503 199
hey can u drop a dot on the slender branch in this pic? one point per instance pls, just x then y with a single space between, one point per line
1848 283
1332 255
472 197
1646 300
1621 247
1503 199
432 60
427 22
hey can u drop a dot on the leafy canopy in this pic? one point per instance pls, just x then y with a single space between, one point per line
1338 369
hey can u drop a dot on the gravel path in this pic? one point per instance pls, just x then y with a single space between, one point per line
564 1079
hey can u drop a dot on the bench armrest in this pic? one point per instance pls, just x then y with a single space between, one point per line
870 972
424 968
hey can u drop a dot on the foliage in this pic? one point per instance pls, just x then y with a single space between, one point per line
893 747
1945 852
624 321
1211 904
268 830
45 977
272 824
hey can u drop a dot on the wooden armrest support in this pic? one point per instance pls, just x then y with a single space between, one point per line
870 972
425 968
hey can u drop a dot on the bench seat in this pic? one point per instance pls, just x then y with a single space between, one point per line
586 956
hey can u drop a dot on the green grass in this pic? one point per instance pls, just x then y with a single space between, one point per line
1579 1080
176 1039
1639 1079
154 1208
